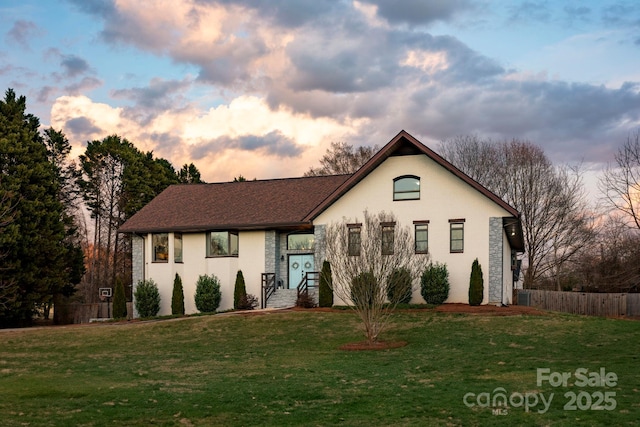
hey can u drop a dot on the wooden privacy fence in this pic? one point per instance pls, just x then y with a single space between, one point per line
84 313
590 304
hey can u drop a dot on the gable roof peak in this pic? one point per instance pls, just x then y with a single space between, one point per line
401 145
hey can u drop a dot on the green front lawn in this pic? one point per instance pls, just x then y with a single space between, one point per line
287 369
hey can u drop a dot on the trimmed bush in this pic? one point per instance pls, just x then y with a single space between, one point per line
400 290
147 298
119 301
434 283
239 291
325 291
476 284
305 300
208 294
364 288
177 298
248 302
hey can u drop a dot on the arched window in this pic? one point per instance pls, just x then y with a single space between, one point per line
406 187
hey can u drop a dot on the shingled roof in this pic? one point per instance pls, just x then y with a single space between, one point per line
282 203
246 205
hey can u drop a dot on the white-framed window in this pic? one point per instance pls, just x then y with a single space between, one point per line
160 243
222 243
406 187
456 235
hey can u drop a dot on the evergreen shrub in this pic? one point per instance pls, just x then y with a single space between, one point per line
325 290
147 298
434 283
364 289
239 291
476 284
400 288
208 293
177 297
119 301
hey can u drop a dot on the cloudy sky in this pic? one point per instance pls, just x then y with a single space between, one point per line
260 88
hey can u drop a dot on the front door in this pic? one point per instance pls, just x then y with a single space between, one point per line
299 265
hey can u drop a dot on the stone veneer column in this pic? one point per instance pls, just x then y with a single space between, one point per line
320 253
271 252
137 265
495 260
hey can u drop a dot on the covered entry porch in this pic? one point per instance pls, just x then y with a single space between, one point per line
290 266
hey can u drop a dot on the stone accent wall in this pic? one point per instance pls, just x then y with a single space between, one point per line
137 264
137 261
320 253
272 252
282 274
495 260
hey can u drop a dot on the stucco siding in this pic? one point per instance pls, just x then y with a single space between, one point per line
250 259
161 273
443 197
193 265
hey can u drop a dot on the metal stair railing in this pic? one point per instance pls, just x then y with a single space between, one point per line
268 287
311 279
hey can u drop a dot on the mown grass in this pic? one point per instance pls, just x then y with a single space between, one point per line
287 369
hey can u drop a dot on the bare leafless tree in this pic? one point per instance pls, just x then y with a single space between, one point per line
555 217
610 263
363 256
342 158
479 158
620 182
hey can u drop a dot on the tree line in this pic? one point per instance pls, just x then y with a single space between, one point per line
59 218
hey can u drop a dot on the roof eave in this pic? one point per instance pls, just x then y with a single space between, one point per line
513 229
213 227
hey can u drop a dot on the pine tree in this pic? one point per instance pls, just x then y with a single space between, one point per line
177 298
325 293
58 151
36 264
119 301
239 291
476 284
189 174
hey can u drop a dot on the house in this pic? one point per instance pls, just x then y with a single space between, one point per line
273 230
